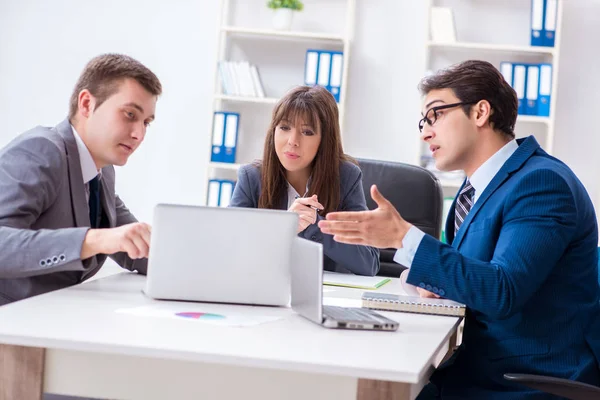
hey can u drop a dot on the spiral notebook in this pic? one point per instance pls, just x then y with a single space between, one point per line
412 304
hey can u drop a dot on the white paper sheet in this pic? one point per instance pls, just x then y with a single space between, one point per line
197 316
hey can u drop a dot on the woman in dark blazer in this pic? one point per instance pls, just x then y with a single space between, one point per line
304 170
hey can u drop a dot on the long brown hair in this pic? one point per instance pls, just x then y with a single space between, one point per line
316 107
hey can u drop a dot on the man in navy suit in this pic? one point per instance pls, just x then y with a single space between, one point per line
522 252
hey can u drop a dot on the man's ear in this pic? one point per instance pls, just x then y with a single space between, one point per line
483 111
85 103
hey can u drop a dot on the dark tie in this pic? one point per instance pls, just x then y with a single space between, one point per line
94 202
464 203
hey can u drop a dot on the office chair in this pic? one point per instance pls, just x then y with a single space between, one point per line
414 191
560 387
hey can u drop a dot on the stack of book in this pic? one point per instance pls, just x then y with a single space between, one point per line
240 78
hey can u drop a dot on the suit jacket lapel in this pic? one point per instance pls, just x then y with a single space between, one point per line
527 147
78 200
283 202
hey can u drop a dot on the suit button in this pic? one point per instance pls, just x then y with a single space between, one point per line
49 261
435 290
428 287
422 285
54 260
313 237
441 292
42 263
62 257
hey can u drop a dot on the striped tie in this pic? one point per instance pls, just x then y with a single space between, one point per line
464 203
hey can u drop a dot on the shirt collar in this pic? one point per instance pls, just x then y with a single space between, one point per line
293 194
482 177
88 167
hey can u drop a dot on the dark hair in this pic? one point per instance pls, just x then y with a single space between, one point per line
102 75
316 107
475 80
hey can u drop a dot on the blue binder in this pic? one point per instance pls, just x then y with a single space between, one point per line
537 22
506 69
335 74
550 12
230 137
532 91
225 192
545 90
311 66
218 131
324 68
213 193
519 84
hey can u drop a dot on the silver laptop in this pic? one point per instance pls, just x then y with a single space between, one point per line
225 255
307 294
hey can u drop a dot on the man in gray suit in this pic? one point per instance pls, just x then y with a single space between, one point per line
59 214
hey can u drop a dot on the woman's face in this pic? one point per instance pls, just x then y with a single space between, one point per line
297 144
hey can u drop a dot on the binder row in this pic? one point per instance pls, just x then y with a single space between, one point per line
220 192
543 22
224 136
324 68
533 84
239 78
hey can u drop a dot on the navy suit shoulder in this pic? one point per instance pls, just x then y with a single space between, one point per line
247 187
350 176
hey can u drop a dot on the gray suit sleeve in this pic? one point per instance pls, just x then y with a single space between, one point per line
361 260
124 217
243 191
31 173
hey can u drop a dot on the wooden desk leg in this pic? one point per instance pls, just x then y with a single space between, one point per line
451 348
21 372
382 390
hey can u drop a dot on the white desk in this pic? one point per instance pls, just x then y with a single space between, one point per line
80 346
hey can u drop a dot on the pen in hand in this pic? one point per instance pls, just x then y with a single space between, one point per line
313 207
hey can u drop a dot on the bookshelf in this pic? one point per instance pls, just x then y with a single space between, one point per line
271 33
245 33
505 37
489 47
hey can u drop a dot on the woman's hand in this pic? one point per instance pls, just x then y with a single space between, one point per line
306 208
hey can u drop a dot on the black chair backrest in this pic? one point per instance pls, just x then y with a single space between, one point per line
414 191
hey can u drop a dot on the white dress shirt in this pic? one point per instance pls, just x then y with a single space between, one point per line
480 179
88 166
293 194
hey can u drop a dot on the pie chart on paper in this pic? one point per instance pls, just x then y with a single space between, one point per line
200 315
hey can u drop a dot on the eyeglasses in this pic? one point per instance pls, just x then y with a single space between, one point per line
432 114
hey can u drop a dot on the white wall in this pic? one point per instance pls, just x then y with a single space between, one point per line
577 137
44 45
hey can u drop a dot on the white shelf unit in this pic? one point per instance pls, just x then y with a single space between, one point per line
242 99
488 47
495 32
228 166
245 34
284 34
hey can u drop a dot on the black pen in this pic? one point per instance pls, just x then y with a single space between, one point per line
313 207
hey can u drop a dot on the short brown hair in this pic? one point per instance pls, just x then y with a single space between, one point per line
317 108
475 80
102 75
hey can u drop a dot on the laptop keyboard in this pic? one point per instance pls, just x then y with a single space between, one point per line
349 314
